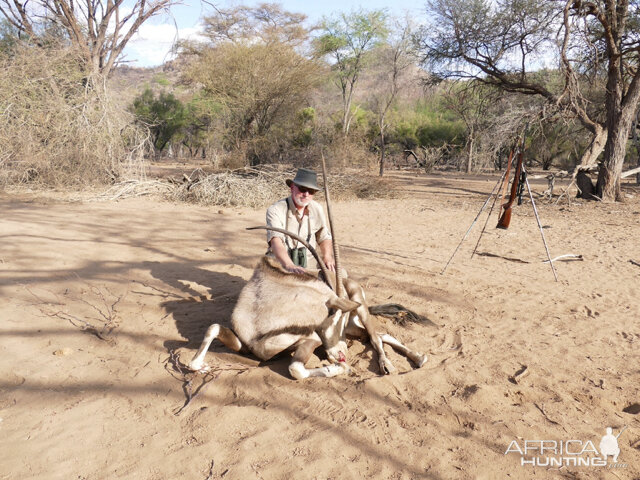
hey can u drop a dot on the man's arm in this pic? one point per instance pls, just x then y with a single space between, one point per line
281 253
326 250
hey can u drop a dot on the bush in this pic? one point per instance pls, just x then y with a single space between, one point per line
58 127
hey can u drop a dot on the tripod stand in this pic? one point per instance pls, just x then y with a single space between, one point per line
535 211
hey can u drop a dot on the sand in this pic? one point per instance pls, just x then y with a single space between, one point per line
99 300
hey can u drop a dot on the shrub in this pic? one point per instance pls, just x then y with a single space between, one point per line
58 127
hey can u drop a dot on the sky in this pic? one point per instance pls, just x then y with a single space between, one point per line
151 46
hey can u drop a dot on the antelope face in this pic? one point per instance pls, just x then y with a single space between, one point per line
333 336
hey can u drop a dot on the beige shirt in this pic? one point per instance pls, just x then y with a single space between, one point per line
312 224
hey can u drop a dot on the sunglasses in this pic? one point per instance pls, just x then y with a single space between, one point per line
310 191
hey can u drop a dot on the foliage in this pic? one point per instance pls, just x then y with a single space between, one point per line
8 36
260 81
164 115
427 124
348 40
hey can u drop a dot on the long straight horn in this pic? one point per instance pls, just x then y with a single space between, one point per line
336 252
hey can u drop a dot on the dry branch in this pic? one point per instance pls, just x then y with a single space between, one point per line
628 173
57 131
181 372
257 188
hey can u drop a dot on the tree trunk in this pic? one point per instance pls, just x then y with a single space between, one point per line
381 151
620 114
608 185
470 151
595 148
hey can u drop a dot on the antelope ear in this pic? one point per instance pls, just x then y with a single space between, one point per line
342 304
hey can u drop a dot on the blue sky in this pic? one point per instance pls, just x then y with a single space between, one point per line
152 45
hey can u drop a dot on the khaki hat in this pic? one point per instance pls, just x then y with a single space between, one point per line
305 178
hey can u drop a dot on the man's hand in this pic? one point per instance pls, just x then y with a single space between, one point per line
330 263
295 269
326 250
280 251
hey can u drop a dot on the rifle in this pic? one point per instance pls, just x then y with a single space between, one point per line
505 218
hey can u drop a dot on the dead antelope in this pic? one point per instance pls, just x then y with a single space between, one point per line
278 311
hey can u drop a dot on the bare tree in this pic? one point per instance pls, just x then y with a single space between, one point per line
471 102
99 29
504 43
393 62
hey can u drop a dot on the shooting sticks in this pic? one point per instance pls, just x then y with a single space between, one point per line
535 211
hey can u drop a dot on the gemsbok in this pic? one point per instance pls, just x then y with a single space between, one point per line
278 311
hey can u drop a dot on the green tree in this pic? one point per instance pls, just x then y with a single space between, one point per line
252 68
348 41
165 116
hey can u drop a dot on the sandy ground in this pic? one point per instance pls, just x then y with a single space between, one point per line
97 298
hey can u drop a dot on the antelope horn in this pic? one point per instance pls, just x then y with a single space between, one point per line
336 253
323 267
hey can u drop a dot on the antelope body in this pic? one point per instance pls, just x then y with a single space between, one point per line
278 311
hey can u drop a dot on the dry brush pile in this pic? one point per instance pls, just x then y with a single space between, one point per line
249 187
58 126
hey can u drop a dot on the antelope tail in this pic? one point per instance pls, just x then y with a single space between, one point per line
399 314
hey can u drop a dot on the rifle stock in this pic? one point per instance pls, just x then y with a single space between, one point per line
505 218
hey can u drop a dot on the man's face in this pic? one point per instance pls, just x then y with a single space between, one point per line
302 196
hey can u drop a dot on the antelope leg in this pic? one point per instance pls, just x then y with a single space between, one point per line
417 358
360 318
224 334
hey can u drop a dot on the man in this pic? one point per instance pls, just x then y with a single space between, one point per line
301 215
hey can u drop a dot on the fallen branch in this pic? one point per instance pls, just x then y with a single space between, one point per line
628 173
567 256
634 263
211 465
100 325
541 408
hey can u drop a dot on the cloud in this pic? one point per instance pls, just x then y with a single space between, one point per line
151 45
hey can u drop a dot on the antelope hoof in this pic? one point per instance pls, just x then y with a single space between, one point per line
420 361
198 366
335 369
386 367
297 371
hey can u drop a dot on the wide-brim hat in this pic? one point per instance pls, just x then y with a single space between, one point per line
305 178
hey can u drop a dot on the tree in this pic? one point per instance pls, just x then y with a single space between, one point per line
392 63
348 41
165 116
471 102
251 66
502 44
99 30
8 36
